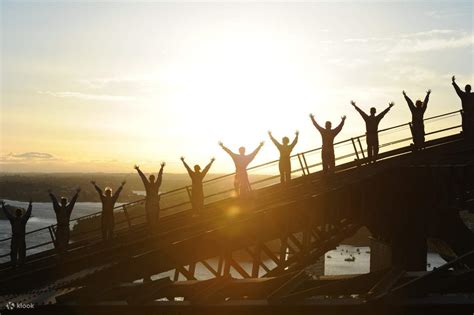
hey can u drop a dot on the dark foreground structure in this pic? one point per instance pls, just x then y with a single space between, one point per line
405 200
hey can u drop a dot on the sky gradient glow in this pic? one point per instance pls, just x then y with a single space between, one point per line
100 86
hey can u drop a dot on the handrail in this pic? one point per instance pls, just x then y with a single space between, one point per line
182 189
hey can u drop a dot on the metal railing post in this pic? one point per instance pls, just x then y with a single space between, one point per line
301 164
361 149
125 212
305 163
355 148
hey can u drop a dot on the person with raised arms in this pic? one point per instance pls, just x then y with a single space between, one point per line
417 124
372 124
467 102
197 192
241 161
108 203
285 148
18 224
327 134
63 212
152 199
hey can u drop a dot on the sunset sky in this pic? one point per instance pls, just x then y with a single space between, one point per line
92 86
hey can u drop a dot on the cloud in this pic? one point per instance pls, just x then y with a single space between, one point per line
98 83
27 157
431 40
84 96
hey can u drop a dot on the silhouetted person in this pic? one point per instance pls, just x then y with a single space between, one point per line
152 199
18 223
63 214
108 202
372 125
197 192
285 149
467 101
241 161
418 126
328 135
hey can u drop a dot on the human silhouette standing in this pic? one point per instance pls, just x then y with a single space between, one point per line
108 202
18 223
63 214
417 112
467 101
197 192
152 199
372 124
241 161
285 148
328 135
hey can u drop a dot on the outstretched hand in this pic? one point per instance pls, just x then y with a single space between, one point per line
163 164
93 182
78 190
453 78
311 116
213 159
182 158
343 118
391 104
353 103
221 144
428 92
123 183
262 143
269 133
404 94
136 167
297 132
31 200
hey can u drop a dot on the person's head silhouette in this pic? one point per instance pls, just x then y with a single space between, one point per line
468 88
18 213
63 201
328 125
242 150
108 192
419 104
285 140
197 168
152 178
372 111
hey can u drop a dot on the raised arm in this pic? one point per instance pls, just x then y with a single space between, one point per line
97 188
117 193
159 178
190 171
456 87
254 153
142 176
382 114
315 123
208 166
27 215
341 124
7 213
409 101
426 100
71 204
54 200
361 112
275 142
232 154
295 140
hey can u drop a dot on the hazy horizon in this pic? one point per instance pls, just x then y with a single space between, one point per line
92 87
